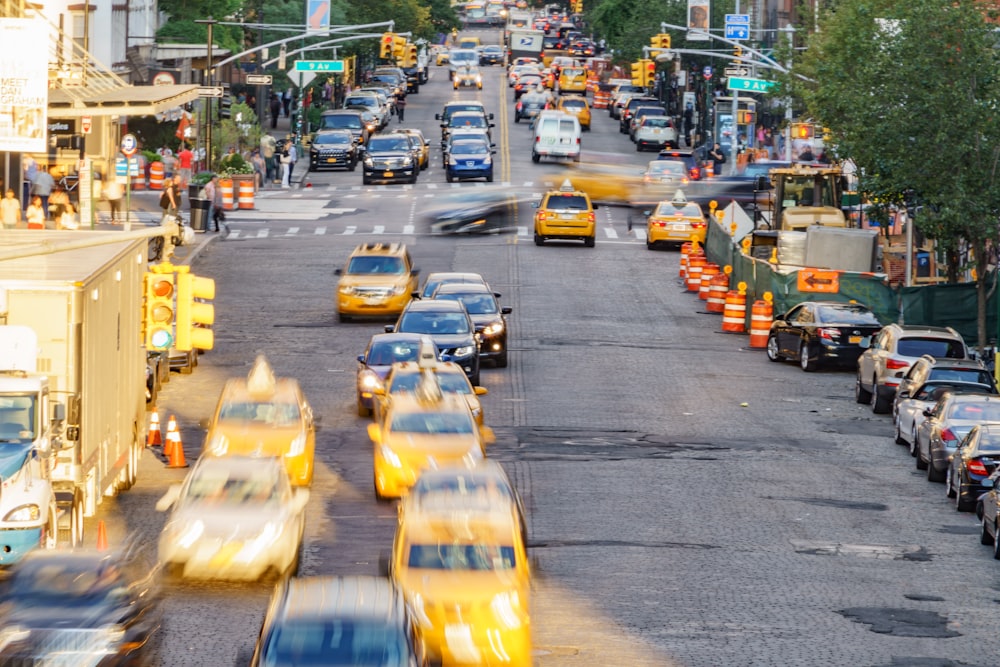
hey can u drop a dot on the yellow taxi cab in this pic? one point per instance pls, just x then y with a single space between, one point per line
420 430
572 80
617 183
443 56
459 557
423 148
377 281
576 105
675 221
548 78
261 415
566 214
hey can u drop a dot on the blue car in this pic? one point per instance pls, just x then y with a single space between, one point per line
469 158
382 352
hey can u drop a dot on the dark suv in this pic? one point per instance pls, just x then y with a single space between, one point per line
687 156
390 158
449 326
345 119
333 149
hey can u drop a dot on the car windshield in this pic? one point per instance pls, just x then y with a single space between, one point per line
434 323
340 121
980 376
476 304
336 643
66 585
361 100
562 202
470 148
852 315
467 121
433 423
967 410
450 383
218 487
271 414
936 347
333 139
369 265
474 557
376 144
386 353
686 211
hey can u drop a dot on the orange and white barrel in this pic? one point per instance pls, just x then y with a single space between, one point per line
760 323
156 176
709 271
696 263
734 312
685 252
717 288
246 194
226 188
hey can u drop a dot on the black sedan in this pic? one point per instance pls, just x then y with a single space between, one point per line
975 459
81 608
487 315
491 55
333 149
821 332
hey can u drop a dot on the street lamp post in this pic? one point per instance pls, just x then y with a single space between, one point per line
210 22
790 31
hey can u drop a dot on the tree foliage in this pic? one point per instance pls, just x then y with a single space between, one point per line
910 89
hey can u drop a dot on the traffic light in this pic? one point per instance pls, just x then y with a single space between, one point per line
637 73
399 46
661 41
577 6
738 51
385 46
745 117
649 73
158 310
411 55
191 313
802 131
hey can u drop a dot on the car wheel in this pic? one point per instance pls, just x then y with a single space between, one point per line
536 158
365 180
920 463
996 543
539 240
961 504
517 119
984 533
949 490
590 242
804 361
638 148
501 360
880 405
363 411
772 348
933 474
475 379
449 177
650 245
900 440
913 441
343 318
416 171
312 168
351 166
489 177
861 395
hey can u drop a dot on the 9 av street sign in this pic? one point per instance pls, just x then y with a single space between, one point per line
332 66
750 85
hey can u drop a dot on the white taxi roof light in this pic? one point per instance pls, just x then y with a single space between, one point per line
261 377
427 353
679 197
429 390
566 186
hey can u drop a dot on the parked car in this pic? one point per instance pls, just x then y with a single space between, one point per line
910 405
988 509
946 424
975 459
817 333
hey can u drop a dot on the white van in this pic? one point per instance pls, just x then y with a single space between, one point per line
557 135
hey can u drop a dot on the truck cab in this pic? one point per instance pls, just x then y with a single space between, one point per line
802 196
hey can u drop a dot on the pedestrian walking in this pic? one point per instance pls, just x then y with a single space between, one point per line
10 210
286 102
401 107
688 124
185 160
293 157
170 200
35 213
30 171
285 161
214 194
718 159
275 107
58 201
42 186
268 148
113 192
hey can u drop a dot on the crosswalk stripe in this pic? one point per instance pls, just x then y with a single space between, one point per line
407 229
640 235
379 229
262 234
350 229
291 231
610 233
522 231
320 230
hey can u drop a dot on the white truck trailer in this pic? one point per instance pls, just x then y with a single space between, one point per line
85 307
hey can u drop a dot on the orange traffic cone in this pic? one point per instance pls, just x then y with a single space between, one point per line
174 450
102 536
153 437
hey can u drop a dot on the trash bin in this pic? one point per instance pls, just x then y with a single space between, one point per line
199 213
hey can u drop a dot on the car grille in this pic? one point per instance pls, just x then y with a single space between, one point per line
331 152
390 162
372 291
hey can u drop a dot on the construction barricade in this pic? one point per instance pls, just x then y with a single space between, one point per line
760 322
226 188
156 176
696 263
734 313
717 288
246 194
708 272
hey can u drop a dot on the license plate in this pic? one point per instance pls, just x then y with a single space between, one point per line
657 132
854 339
678 228
567 216
225 554
564 140
387 174
374 300
331 159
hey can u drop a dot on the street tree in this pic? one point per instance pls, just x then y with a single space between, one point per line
910 90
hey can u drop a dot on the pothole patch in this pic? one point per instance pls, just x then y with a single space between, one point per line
899 552
901 622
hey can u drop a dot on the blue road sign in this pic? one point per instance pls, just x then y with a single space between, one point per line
738 18
707 72
121 166
737 31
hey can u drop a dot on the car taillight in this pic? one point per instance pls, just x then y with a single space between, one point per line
695 173
976 467
658 223
590 217
698 225
828 334
947 435
541 215
578 140
896 364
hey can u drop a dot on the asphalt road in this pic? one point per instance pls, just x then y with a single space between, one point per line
689 503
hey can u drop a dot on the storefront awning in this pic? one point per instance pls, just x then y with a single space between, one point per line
121 101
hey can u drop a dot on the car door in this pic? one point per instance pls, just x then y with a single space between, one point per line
866 362
783 332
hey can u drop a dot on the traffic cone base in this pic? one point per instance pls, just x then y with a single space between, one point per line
177 457
102 536
153 437
173 449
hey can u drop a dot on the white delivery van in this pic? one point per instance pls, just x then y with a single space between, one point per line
557 136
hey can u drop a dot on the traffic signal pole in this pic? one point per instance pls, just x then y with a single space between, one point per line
734 141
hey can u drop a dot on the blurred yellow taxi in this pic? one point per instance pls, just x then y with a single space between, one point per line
443 57
377 281
261 415
675 221
572 80
421 430
459 557
451 378
576 105
566 214
617 183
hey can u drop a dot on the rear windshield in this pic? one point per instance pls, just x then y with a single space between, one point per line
572 71
656 122
984 412
567 203
847 315
936 347
978 375
336 642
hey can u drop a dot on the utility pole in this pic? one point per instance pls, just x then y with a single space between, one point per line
790 31
734 141
209 100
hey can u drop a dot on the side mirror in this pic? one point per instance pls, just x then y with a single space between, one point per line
390 328
480 391
414 271
204 423
490 117
595 206
928 412
169 498
506 310
374 433
338 272
361 358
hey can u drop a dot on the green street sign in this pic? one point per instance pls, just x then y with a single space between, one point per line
333 66
750 85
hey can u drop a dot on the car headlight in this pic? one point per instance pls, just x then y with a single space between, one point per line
298 445
464 351
452 161
369 162
473 456
368 380
399 289
346 289
391 457
24 513
487 160
113 633
253 548
506 607
191 534
17 633
493 329
217 445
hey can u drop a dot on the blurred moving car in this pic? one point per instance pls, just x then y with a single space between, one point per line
492 54
818 333
449 326
676 221
352 620
685 155
515 72
572 79
657 132
333 149
467 77
566 214
441 277
420 145
442 57
975 459
946 424
451 379
261 415
527 81
530 105
236 518
576 105
667 172
383 351
487 315
377 281
888 355
80 607
479 211
460 559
